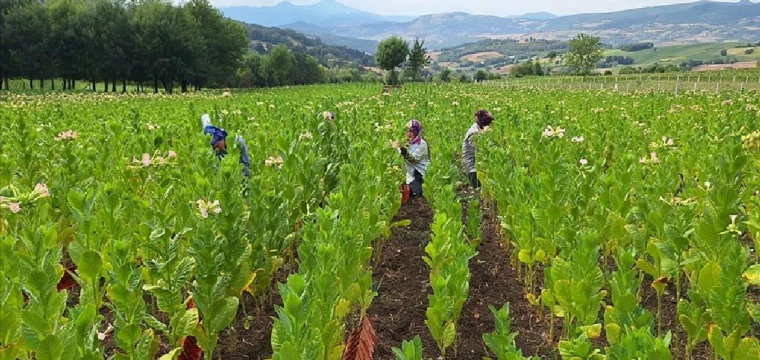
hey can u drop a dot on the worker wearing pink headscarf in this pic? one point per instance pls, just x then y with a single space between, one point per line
416 158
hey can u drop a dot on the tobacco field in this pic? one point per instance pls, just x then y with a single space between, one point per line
609 226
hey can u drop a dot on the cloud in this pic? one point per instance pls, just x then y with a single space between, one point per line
486 7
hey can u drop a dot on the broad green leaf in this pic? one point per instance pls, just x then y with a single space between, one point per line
288 351
613 333
592 331
524 256
337 352
449 334
171 355
147 345
343 307
35 322
659 285
401 223
226 311
186 323
754 311
156 324
90 266
709 277
9 352
716 338
50 348
752 275
646 267
748 349
128 336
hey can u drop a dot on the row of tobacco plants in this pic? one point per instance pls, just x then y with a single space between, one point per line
606 198
122 235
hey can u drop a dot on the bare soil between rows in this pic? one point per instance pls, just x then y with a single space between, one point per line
398 312
494 282
402 281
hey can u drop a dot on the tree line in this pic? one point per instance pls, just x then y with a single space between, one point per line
281 66
637 46
144 42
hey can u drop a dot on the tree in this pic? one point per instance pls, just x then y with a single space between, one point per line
67 38
391 53
464 78
723 52
585 51
225 41
278 65
418 59
25 35
527 68
5 57
446 75
537 69
480 76
306 70
552 57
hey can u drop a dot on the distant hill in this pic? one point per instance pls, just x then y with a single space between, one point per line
697 13
697 22
696 52
507 49
534 16
263 39
364 45
323 13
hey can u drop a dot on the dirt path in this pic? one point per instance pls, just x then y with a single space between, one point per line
403 284
494 282
237 342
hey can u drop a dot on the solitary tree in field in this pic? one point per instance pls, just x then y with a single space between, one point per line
552 56
418 58
391 53
585 52
446 74
480 76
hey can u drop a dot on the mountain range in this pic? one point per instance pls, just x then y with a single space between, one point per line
323 13
338 24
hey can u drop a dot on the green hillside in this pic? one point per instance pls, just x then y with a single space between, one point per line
263 38
680 53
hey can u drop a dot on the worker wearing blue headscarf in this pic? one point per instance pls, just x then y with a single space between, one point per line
219 143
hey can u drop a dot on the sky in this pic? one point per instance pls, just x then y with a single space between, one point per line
489 7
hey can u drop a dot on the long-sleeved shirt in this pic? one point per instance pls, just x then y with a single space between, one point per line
417 158
469 150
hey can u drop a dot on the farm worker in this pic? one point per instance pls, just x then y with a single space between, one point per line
483 119
416 158
219 143
329 116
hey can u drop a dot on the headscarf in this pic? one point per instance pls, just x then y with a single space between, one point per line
328 115
415 127
483 118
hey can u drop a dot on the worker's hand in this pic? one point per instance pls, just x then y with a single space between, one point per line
403 150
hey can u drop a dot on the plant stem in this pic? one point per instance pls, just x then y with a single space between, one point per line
659 315
551 325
